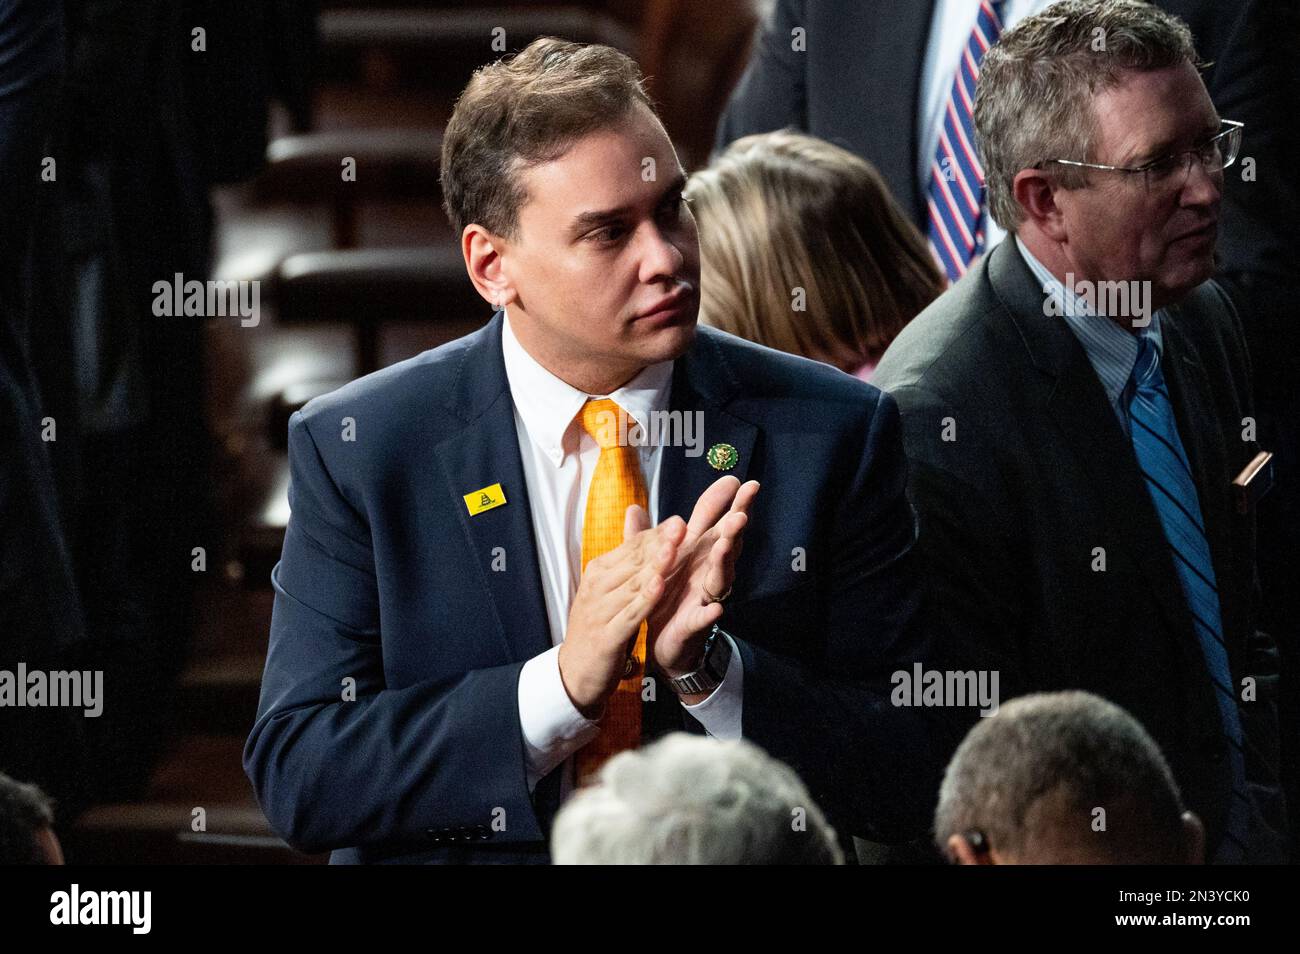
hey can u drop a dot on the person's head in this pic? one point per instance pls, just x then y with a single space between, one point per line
689 799
804 250
566 194
26 825
1063 778
1113 83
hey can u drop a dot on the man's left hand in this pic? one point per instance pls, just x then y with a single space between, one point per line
704 570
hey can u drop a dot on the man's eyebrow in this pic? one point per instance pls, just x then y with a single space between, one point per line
588 220
1167 146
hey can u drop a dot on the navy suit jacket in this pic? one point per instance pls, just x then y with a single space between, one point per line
386 579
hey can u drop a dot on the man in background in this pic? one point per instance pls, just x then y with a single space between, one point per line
41 621
1063 778
691 800
895 83
27 825
1077 408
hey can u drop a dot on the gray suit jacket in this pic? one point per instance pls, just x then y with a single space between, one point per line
1037 474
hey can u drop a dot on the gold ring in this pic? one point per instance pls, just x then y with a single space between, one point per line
716 599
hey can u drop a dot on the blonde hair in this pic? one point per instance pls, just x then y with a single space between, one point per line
780 213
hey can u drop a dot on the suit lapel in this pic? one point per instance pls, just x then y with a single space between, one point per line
1079 407
486 451
1084 415
483 453
702 383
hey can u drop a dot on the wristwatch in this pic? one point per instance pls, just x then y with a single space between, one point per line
713 667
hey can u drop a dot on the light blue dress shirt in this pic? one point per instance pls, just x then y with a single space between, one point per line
1111 350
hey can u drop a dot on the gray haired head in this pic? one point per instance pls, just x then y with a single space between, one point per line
25 811
1033 100
688 799
1031 779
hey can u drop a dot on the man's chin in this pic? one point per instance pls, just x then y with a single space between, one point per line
668 343
1188 274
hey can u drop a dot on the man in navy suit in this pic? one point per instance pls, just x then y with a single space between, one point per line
437 660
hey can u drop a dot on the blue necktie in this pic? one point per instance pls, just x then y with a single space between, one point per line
1168 476
956 193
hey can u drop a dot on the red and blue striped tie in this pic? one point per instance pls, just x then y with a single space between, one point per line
956 196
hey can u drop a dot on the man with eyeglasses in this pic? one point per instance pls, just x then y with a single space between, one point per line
1077 412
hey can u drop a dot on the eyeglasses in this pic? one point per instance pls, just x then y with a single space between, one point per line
1171 172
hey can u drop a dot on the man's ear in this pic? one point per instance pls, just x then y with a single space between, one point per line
1193 839
962 852
483 253
1035 192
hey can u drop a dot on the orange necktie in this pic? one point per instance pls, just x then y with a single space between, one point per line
616 484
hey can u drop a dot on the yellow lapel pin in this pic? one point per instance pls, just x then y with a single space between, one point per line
485 499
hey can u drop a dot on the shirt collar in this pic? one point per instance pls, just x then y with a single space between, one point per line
548 405
1111 350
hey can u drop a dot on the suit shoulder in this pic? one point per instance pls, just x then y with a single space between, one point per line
1208 312
1209 320
411 386
760 372
947 347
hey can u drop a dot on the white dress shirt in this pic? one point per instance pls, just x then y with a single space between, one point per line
950 29
559 457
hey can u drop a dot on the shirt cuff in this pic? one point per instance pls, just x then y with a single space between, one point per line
552 727
720 712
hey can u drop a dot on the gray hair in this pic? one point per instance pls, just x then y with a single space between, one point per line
688 799
24 811
1071 750
1033 101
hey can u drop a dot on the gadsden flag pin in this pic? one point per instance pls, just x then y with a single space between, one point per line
485 499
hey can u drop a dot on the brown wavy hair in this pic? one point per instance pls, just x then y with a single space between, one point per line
524 110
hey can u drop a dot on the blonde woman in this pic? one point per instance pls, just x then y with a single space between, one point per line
804 250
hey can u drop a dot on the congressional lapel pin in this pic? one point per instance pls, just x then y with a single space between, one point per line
722 457
485 499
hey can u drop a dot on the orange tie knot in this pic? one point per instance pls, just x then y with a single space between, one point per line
600 419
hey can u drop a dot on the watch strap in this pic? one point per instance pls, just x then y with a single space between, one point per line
712 669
